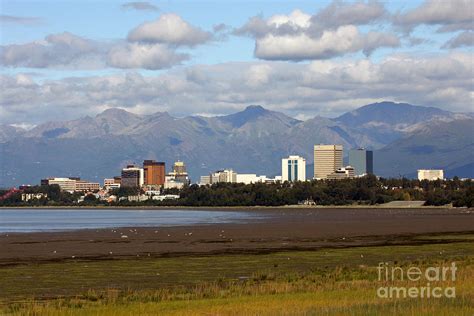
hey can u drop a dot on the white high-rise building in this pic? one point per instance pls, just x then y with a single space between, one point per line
430 174
327 159
293 168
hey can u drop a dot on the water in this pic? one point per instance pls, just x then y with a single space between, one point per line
38 220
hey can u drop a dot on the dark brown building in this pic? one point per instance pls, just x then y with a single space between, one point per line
154 172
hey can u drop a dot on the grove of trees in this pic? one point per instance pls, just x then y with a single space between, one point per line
367 190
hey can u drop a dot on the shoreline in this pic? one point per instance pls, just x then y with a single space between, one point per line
223 208
282 230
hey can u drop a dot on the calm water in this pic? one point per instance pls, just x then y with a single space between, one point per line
35 220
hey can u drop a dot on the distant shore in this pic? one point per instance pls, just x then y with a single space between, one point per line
257 207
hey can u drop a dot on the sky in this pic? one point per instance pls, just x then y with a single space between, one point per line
62 60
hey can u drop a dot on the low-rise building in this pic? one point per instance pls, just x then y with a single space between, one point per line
224 175
165 197
33 196
205 180
65 184
86 186
112 199
136 198
249 178
342 173
112 183
430 174
172 183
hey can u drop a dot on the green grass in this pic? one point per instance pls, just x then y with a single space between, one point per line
328 281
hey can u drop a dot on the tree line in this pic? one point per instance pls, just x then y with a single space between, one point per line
368 190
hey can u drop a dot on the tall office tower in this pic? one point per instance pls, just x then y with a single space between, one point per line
327 159
362 161
154 172
179 168
178 177
293 168
179 172
132 176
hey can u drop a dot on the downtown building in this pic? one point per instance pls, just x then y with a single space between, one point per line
178 177
249 178
347 172
65 184
132 176
153 173
86 186
430 174
293 168
225 175
327 159
112 183
362 161
72 184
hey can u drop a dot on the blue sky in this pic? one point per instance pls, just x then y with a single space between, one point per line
417 39
107 20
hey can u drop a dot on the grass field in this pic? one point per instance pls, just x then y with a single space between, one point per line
327 281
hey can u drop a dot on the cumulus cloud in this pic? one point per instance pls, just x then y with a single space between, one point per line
340 13
169 29
134 55
154 45
56 50
449 15
331 32
69 51
20 20
464 39
140 5
345 39
321 87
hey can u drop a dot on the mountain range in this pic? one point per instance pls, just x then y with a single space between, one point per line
404 137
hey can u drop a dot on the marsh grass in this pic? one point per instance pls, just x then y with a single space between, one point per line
326 282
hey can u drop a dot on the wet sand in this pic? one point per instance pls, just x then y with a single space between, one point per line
279 229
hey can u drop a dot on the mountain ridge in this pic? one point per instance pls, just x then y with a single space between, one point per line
251 141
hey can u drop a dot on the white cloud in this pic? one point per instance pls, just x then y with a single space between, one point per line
258 75
56 50
463 39
153 56
21 20
345 39
340 13
332 32
450 15
140 6
321 87
296 18
153 45
169 29
69 51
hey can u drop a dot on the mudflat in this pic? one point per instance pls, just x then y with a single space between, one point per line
278 229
